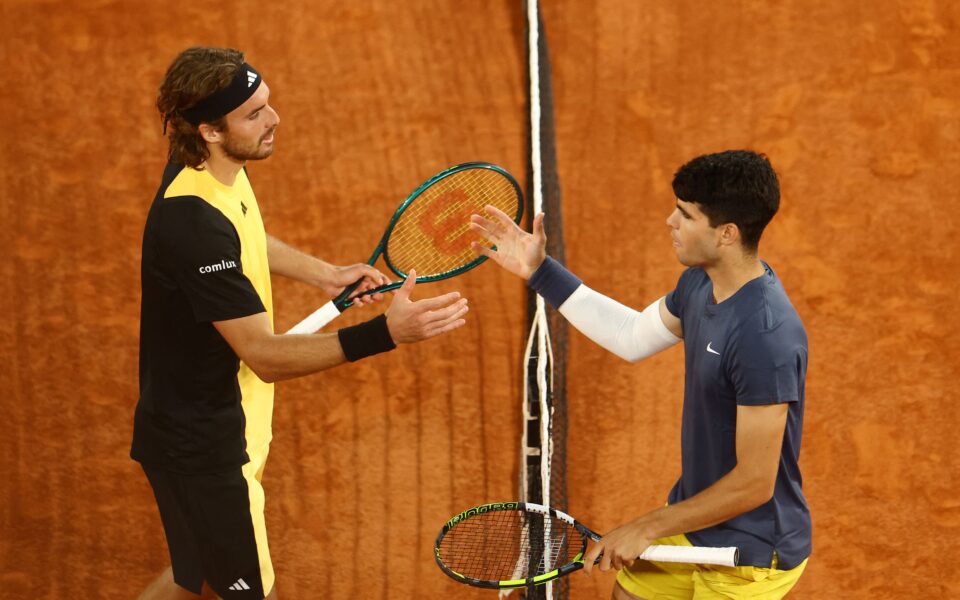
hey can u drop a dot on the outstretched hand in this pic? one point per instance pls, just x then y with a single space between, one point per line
415 320
620 547
517 251
338 278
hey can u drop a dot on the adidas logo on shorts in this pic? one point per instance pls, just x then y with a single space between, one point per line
240 585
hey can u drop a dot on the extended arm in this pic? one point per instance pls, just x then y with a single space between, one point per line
277 357
630 334
290 262
749 484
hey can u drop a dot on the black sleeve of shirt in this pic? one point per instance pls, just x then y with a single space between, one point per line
201 249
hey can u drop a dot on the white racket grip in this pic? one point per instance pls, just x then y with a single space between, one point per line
317 320
726 557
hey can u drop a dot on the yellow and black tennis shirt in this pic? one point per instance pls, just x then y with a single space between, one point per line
201 410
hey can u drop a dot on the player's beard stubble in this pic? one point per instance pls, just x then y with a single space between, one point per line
240 152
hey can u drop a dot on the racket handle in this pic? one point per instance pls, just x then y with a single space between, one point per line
317 320
727 557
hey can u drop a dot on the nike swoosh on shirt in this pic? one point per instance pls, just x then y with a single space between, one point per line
711 350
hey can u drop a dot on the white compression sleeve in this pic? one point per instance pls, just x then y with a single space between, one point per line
629 334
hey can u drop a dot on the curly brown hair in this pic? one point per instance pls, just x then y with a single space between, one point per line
194 75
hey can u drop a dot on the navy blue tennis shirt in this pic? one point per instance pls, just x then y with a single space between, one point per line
749 350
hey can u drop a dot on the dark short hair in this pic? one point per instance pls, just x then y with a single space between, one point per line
194 74
735 186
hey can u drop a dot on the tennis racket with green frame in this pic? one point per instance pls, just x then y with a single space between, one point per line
518 544
430 232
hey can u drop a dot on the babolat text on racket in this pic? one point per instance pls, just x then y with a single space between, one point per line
430 231
516 544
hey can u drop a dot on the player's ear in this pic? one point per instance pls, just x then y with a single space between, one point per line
728 234
210 134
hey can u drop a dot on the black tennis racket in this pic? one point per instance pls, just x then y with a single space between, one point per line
517 544
430 232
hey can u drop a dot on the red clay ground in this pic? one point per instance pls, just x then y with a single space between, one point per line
855 106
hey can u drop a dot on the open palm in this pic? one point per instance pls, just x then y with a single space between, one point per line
517 251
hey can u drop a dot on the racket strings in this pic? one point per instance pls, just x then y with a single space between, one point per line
508 545
432 235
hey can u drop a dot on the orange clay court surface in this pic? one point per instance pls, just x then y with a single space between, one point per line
855 103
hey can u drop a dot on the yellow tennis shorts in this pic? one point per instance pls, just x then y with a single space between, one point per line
669 581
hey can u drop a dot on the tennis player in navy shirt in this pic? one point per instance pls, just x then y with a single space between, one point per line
746 361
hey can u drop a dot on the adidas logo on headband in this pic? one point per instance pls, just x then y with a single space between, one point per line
225 100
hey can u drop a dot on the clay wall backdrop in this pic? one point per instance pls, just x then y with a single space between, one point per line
855 104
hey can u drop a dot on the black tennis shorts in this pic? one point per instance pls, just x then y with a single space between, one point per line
211 524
